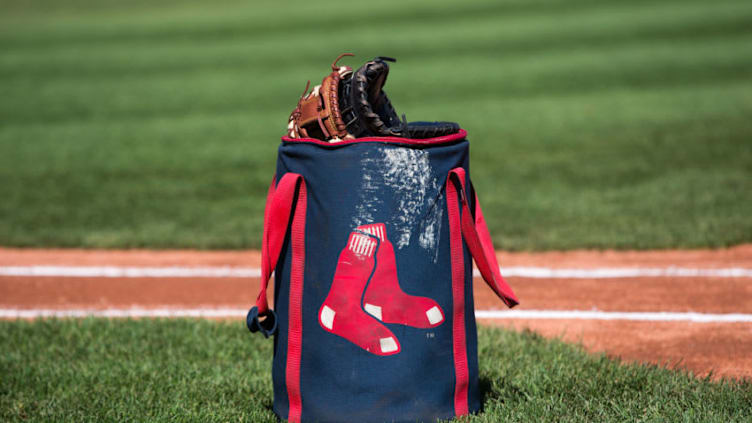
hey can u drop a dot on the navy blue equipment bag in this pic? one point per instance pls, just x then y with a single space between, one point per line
371 241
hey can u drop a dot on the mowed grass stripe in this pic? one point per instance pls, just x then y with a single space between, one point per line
634 111
167 370
157 23
220 85
491 34
656 64
550 154
572 111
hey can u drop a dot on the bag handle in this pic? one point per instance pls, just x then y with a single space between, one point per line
281 199
478 240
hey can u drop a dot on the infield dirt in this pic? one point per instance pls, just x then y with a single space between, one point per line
720 349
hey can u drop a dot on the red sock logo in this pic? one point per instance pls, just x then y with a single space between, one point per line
384 298
342 313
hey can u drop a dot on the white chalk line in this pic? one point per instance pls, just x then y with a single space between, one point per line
624 272
658 316
167 312
251 272
9 313
131 272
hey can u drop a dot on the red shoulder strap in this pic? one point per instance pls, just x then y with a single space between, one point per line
478 239
285 197
279 206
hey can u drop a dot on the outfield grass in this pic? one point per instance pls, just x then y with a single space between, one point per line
181 370
592 123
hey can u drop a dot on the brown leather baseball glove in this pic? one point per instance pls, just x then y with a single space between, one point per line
351 105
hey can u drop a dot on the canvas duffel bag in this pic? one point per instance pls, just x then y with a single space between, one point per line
371 242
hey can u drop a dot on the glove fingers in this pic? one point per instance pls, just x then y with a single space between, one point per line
371 105
353 104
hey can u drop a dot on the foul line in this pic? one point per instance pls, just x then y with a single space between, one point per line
625 272
131 272
10 313
251 272
659 316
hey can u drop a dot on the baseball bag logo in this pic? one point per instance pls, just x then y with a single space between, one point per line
366 291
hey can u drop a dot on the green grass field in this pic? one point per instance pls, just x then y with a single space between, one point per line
593 124
187 370
598 124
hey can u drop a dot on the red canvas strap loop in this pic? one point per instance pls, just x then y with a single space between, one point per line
478 239
279 205
281 199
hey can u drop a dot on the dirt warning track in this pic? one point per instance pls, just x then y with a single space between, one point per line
684 309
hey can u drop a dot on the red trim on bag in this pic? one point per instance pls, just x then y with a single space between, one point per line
392 140
459 342
295 331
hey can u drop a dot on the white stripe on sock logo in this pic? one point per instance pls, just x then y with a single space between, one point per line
375 230
360 244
